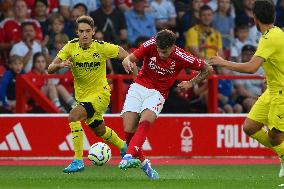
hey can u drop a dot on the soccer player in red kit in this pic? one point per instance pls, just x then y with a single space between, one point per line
163 61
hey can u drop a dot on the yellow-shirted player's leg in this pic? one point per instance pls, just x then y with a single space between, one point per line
111 137
100 104
262 137
259 115
77 139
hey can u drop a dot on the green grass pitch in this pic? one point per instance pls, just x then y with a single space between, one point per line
172 176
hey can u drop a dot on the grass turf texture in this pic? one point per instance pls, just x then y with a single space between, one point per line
172 176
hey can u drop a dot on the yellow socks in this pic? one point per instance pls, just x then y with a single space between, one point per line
280 151
262 137
111 137
77 138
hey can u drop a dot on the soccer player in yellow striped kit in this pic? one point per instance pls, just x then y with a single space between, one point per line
87 59
269 108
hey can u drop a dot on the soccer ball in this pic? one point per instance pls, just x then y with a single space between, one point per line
99 153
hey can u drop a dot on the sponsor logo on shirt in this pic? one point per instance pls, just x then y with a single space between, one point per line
160 70
88 66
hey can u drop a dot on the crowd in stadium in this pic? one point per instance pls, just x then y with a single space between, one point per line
33 31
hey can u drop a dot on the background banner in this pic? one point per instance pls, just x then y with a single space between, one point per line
42 135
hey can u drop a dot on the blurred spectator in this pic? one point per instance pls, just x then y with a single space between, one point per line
241 39
56 26
47 86
164 14
123 5
41 15
248 90
280 14
110 21
69 26
202 40
224 23
244 16
11 29
28 46
6 9
226 94
193 100
139 23
51 4
189 19
65 6
8 86
60 40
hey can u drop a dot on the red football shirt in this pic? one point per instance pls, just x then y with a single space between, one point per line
11 30
161 74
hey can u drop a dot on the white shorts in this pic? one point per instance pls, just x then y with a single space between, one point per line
140 98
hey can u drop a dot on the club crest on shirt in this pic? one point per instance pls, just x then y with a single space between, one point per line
96 55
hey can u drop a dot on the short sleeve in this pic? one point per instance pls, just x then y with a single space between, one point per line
264 49
143 49
64 53
110 50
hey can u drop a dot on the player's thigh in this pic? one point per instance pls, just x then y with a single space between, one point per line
99 103
134 99
154 102
130 121
276 113
259 111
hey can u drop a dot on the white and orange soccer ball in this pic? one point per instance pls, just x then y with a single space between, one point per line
99 153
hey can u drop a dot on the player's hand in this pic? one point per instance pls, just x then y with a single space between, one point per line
66 64
217 60
127 65
185 85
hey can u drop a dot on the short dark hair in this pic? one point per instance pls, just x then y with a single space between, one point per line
264 11
81 5
27 23
85 19
249 48
165 39
205 8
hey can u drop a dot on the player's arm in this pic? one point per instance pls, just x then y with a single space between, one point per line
247 67
57 64
129 64
203 74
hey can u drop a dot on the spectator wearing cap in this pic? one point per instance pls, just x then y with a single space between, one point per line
139 23
28 46
248 90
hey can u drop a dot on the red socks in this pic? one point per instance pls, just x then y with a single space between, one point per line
128 137
135 146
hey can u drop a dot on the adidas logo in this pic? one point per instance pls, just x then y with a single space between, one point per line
16 140
67 144
146 145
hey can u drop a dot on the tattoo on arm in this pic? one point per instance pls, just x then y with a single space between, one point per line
201 76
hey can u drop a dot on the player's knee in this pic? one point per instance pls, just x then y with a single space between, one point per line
98 127
251 127
73 116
